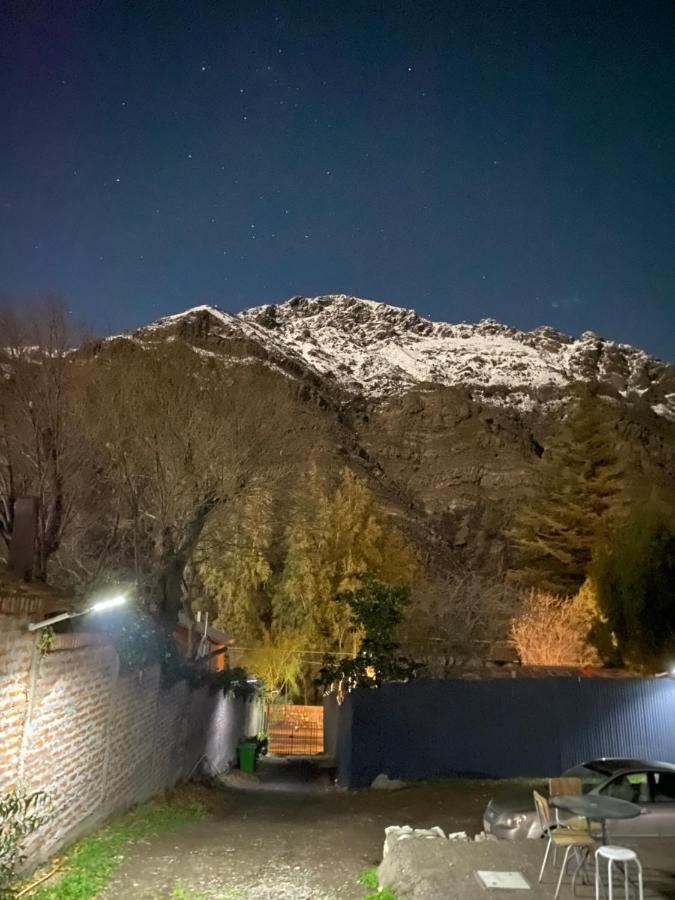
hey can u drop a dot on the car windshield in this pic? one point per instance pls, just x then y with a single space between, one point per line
590 776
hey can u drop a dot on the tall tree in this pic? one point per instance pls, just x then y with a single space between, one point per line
634 579
580 496
41 453
233 566
343 536
182 438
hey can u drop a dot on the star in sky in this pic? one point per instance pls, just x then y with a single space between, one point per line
477 155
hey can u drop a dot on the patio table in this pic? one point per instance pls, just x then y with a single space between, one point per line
597 808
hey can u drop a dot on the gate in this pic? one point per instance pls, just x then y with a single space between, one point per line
295 730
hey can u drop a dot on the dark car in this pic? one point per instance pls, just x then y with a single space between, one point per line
651 785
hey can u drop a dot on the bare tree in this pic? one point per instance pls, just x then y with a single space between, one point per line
552 631
459 617
40 451
182 434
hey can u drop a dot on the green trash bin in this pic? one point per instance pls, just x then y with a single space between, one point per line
246 753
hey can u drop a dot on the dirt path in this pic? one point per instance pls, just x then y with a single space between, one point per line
293 837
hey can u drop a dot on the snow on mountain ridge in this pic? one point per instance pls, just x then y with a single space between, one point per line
377 349
381 349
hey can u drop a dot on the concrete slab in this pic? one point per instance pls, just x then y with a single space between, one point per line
427 869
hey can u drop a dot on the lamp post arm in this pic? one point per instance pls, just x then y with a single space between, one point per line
34 626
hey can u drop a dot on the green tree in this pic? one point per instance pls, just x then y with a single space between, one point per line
635 583
377 610
580 497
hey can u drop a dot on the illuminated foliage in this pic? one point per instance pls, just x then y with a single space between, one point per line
553 631
234 569
277 661
330 550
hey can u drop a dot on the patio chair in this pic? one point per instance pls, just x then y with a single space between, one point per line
570 787
558 787
574 840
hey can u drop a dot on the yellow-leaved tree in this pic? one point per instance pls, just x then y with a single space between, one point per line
276 659
341 536
234 570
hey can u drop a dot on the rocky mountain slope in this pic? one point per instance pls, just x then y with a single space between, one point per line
448 422
375 350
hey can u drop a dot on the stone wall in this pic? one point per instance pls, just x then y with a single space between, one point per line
98 739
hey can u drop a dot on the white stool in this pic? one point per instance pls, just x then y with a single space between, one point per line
617 855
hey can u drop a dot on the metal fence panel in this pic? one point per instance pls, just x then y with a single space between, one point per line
502 727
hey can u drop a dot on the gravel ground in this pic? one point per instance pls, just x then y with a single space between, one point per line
290 835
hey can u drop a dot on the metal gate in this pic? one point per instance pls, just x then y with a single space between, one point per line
295 730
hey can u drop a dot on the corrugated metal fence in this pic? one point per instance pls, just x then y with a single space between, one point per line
501 728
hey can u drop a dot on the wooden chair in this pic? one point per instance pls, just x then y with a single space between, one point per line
570 787
574 840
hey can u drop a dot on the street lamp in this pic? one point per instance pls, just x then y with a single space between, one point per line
670 674
99 606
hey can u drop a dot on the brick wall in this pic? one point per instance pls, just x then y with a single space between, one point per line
15 659
66 734
98 739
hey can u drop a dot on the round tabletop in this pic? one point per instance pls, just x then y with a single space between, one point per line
596 806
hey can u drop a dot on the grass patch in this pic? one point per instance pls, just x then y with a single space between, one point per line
368 878
89 865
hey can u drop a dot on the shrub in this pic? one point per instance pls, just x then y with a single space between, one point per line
21 813
552 631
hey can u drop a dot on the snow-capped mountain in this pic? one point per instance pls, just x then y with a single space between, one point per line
447 423
379 350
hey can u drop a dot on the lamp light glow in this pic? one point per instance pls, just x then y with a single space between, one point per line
108 603
99 606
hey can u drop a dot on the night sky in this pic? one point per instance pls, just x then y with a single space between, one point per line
468 159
